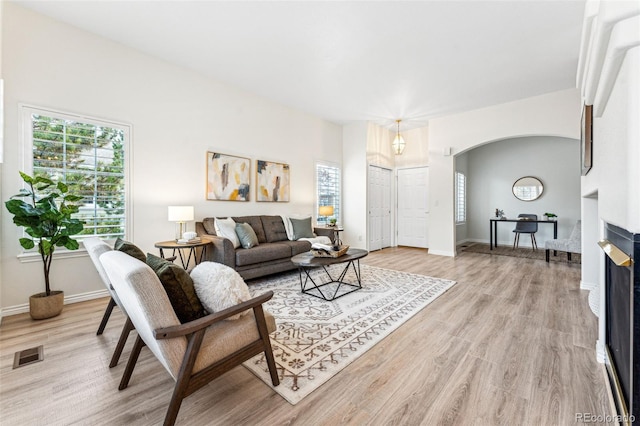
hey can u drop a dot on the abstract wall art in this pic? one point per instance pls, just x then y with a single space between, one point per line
228 177
272 181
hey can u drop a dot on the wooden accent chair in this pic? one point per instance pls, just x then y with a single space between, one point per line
193 353
96 247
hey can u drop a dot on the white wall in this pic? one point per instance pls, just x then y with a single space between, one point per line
354 171
176 114
609 79
553 114
494 167
416 150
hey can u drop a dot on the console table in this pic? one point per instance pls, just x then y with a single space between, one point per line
493 229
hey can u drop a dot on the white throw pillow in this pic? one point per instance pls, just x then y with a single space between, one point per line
227 228
219 287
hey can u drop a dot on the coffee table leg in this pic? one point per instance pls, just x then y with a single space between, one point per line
339 281
308 277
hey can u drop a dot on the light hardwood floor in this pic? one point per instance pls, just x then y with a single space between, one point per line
512 343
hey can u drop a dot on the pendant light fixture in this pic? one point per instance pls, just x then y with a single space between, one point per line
398 142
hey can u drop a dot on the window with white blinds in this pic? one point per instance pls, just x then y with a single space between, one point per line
328 187
461 198
88 155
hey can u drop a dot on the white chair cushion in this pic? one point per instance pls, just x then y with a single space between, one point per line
219 287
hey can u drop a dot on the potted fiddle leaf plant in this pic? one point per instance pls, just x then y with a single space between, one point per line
44 209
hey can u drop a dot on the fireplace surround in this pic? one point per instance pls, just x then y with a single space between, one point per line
622 313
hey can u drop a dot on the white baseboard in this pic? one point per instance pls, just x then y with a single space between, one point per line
74 298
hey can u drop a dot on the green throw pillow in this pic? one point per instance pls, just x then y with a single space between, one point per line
129 248
301 228
246 235
179 287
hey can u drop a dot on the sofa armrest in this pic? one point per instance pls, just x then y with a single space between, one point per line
325 232
221 252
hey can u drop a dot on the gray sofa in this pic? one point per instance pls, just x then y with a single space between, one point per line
272 254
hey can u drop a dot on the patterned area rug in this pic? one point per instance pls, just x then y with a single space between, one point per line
316 339
527 253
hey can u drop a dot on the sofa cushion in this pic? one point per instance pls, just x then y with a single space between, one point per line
262 253
227 228
179 287
274 228
256 224
302 228
246 235
298 247
208 223
130 249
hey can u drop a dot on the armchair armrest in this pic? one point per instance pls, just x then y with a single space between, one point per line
204 322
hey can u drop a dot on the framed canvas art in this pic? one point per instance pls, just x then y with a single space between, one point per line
228 177
272 181
586 139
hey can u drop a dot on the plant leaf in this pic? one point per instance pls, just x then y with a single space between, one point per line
27 243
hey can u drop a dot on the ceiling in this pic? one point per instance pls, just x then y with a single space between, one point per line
348 61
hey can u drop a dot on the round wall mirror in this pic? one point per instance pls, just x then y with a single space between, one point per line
528 188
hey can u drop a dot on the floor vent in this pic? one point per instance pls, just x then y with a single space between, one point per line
28 356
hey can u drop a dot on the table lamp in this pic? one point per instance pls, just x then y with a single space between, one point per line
180 215
325 211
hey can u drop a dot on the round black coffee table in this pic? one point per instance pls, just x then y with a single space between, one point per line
334 287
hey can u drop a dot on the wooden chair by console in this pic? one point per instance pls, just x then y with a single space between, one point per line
96 247
196 352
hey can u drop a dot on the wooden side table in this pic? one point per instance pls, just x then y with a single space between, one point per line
335 230
180 247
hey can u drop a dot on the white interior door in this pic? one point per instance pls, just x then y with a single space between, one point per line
379 196
375 238
413 207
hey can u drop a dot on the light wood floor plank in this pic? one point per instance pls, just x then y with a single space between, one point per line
512 343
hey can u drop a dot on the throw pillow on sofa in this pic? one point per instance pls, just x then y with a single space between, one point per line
129 248
287 223
246 235
227 228
302 228
219 287
179 287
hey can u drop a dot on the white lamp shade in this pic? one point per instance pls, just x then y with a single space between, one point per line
180 213
325 211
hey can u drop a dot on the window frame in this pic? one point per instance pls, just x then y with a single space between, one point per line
457 198
337 206
26 152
